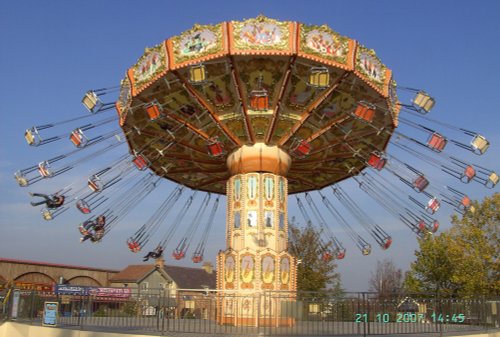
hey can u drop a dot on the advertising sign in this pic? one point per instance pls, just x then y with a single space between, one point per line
50 310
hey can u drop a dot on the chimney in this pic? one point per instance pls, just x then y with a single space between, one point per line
208 267
160 262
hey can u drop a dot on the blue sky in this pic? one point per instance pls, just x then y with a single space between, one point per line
54 51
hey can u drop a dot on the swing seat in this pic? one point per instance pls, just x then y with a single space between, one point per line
215 147
95 183
259 100
300 148
46 214
154 111
326 256
423 102
78 138
386 243
366 250
468 175
197 258
465 203
133 245
21 179
420 183
377 161
340 254
32 137
83 206
319 77
44 169
422 227
437 142
197 73
433 205
492 180
479 144
365 111
140 162
435 226
92 102
178 254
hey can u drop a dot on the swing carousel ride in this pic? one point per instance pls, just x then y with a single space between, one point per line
258 110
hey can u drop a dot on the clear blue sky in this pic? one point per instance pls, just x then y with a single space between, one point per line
53 51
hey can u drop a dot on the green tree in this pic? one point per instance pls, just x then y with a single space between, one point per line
462 261
313 272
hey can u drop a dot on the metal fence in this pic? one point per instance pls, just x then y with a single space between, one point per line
159 312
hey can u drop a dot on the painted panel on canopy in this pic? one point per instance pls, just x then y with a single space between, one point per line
124 100
150 67
262 35
371 70
200 43
322 44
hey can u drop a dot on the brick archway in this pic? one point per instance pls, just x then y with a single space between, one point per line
84 281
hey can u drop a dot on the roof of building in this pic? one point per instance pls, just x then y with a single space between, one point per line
191 278
56 265
184 277
133 273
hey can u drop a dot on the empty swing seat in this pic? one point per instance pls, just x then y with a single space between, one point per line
319 77
469 174
83 206
366 250
78 138
140 162
95 183
420 183
215 147
197 73
154 111
422 227
479 144
433 205
259 99
465 203
32 137
365 111
437 142
301 148
197 258
44 169
377 161
386 243
133 245
340 254
435 226
492 180
21 179
326 256
92 102
178 254
423 102
46 214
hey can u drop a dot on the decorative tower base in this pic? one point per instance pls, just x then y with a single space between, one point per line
255 272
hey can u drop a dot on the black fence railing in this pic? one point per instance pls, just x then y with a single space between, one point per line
158 311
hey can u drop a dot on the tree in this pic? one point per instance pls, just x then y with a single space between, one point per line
313 272
387 279
462 261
